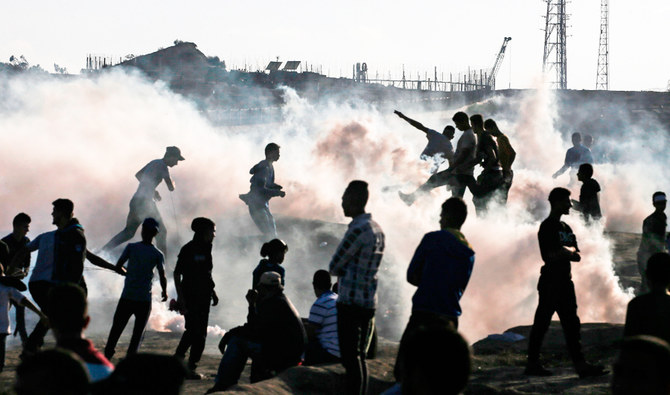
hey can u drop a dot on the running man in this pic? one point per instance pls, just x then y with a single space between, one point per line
439 148
263 188
143 203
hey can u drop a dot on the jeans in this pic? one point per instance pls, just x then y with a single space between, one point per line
262 217
354 327
126 307
40 293
556 296
197 316
238 350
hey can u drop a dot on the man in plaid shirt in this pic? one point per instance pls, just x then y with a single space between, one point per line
356 262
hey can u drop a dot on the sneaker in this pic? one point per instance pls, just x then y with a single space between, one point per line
588 370
536 369
408 198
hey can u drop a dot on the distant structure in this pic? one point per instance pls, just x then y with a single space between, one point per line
602 78
498 62
99 62
555 54
361 72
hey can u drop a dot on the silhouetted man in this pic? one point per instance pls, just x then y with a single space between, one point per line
143 202
195 289
355 263
506 156
575 155
439 148
642 367
460 172
649 314
558 247
653 236
263 188
16 241
68 316
491 178
440 269
60 260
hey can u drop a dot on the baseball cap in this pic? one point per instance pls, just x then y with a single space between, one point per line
174 151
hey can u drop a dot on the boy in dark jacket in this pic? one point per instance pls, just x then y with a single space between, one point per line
195 291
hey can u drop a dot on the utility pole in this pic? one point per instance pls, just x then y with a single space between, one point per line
602 77
555 43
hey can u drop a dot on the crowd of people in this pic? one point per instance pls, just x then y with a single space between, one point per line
433 358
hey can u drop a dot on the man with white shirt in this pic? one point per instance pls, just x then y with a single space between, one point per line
143 203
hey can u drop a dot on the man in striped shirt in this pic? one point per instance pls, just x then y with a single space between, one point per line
355 263
321 326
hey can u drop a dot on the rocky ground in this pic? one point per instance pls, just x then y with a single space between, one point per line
497 364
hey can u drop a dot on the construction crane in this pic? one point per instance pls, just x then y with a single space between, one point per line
496 66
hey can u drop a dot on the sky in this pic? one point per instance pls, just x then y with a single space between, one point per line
449 35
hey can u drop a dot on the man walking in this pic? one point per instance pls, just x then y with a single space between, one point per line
356 262
558 247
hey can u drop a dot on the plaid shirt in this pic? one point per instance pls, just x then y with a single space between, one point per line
356 262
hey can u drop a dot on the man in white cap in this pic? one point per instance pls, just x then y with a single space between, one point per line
143 202
653 237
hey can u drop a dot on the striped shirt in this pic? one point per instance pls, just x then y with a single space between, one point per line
323 314
356 262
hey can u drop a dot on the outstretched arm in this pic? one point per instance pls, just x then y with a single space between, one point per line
411 121
100 262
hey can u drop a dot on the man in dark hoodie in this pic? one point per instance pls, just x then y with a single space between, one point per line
263 188
274 336
440 269
60 260
195 291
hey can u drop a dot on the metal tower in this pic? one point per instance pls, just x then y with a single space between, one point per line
602 78
554 43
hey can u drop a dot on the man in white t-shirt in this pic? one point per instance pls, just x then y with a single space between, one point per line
323 345
439 148
461 168
143 203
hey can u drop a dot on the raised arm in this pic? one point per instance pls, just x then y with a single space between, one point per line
411 121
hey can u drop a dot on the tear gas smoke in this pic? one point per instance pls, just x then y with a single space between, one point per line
86 138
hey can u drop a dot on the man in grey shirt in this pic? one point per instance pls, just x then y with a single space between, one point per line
143 203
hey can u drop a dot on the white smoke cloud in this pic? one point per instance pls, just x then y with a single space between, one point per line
86 138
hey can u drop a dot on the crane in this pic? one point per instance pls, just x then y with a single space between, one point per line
496 66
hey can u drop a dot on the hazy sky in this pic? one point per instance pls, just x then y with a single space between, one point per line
450 35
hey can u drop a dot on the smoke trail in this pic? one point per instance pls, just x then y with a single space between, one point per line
86 138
